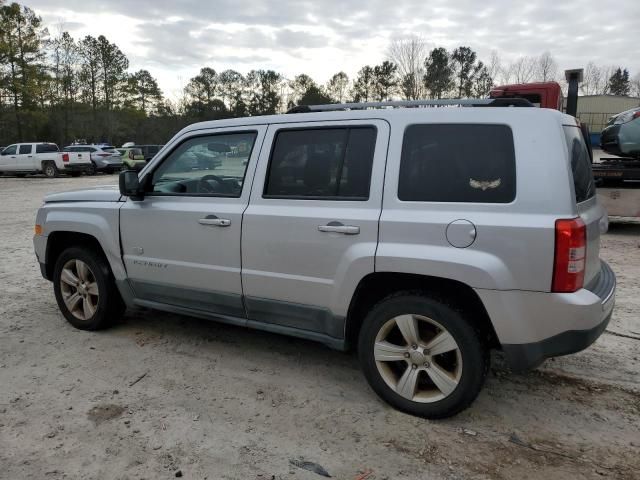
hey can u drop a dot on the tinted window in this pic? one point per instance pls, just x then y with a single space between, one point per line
25 149
583 182
322 163
208 165
46 148
10 150
457 163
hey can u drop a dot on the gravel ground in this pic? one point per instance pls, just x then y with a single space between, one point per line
163 396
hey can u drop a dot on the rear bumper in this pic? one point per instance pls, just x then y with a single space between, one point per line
526 356
534 326
108 164
77 167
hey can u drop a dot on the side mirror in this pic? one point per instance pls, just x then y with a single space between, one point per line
130 185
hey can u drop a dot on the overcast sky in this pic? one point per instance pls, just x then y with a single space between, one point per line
174 39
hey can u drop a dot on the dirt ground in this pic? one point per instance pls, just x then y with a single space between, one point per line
164 396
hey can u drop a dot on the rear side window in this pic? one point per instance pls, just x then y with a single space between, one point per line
322 163
25 149
457 163
583 181
46 148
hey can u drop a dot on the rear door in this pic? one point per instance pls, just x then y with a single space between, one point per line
590 210
311 228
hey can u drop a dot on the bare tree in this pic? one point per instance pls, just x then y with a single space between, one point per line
546 69
635 85
494 66
523 69
409 54
592 79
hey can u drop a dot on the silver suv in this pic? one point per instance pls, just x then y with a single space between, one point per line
422 237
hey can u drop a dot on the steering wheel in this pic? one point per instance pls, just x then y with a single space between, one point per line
205 187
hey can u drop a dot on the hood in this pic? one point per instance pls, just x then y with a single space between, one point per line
104 193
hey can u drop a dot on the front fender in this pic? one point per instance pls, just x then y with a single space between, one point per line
98 220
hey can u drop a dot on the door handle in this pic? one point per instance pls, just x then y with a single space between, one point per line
30 156
337 227
215 221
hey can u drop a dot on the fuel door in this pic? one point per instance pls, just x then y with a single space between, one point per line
461 233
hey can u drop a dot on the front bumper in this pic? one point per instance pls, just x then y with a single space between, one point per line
534 326
609 140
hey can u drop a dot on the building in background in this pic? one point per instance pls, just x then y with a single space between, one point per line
595 110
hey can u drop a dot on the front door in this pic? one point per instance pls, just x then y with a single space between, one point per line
311 229
24 159
181 244
8 159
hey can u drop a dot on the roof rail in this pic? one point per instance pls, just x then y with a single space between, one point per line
464 102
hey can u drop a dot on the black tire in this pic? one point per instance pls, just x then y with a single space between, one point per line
21 175
50 169
473 352
92 169
110 306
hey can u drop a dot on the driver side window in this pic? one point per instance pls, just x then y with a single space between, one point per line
210 165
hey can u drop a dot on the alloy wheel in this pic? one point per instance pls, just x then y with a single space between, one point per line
418 358
79 289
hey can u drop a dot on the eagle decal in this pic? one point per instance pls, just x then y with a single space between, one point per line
484 185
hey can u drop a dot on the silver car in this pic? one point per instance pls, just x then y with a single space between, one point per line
621 136
422 237
104 158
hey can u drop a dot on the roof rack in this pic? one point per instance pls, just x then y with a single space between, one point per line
465 102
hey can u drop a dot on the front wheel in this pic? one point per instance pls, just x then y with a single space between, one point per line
422 356
85 289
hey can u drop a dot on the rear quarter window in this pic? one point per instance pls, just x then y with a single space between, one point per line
472 163
583 182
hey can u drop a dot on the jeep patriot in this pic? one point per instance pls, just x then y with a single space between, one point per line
421 237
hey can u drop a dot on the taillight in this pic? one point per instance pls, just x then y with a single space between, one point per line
570 255
65 157
636 114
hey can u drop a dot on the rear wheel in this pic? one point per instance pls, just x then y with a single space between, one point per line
92 169
50 169
85 290
422 356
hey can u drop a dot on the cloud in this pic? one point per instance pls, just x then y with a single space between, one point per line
321 37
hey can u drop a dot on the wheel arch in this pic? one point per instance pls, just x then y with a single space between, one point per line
378 285
59 241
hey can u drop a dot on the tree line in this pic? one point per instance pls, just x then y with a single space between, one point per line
58 88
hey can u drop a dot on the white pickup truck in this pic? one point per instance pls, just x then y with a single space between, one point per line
23 158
